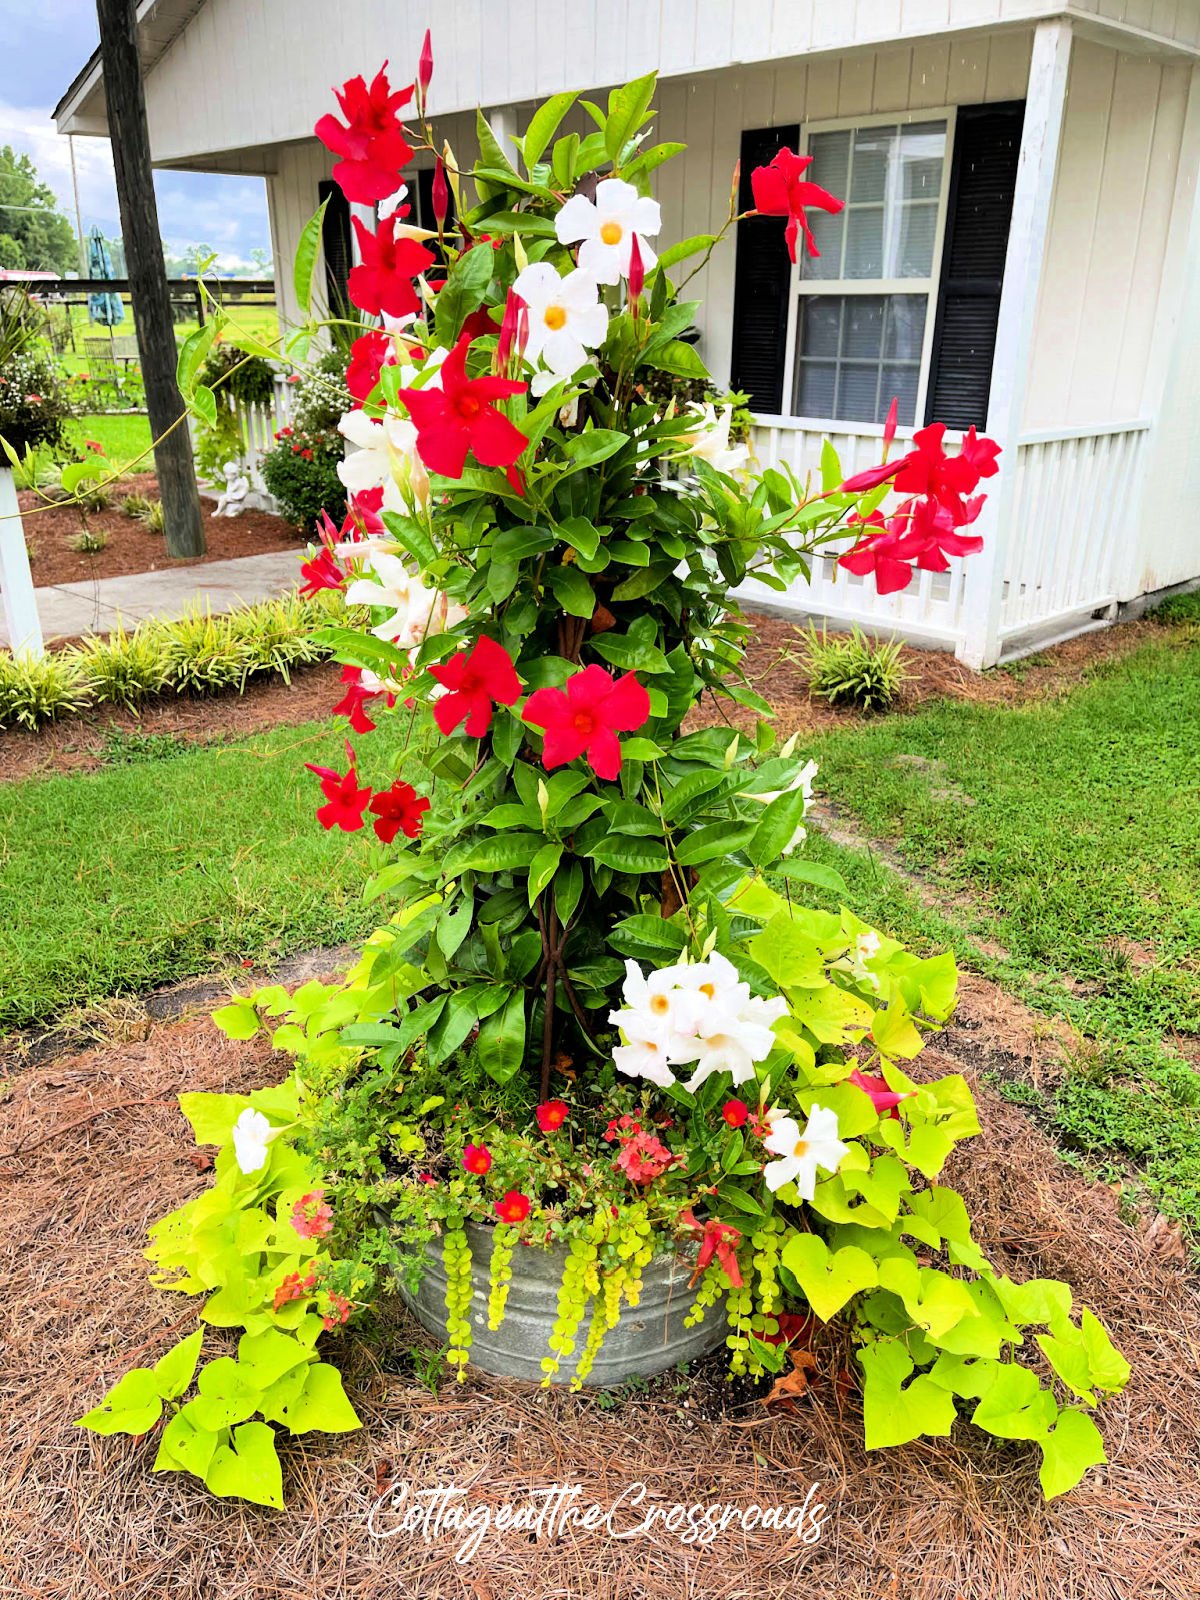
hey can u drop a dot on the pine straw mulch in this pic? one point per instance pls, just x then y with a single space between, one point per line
131 546
93 1149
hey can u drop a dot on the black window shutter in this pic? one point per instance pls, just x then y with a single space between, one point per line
335 241
987 144
761 281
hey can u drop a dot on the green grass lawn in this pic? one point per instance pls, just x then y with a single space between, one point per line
1066 833
151 870
124 437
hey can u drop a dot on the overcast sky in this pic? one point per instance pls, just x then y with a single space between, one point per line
45 44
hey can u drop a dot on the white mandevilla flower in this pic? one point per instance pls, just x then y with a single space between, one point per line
386 458
697 1012
802 1152
606 229
566 320
414 607
866 948
252 1133
710 440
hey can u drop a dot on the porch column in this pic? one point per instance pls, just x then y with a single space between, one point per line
16 585
1038 159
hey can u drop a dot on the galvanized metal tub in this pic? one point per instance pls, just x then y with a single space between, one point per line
646 1339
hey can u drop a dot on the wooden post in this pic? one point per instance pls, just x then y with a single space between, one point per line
1040 135
130 140
16 585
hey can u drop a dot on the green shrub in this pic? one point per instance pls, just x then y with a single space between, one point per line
126 668
849 669
36 689
301 472
205 654
90 541
321 397
33 402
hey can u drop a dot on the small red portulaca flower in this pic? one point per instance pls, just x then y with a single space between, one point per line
306 455
477 679
345 801
338 1311
311 1217
462 416
551 1115
426 1177
514 1207
94 445
735 1113
399 809
477 1159
371 142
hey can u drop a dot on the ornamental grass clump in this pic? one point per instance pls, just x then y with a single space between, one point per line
37 689
850 669
596 1017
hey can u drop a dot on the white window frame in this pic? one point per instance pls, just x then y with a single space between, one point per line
801 286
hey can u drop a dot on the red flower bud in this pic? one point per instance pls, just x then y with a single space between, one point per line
637 272
425 65
440 195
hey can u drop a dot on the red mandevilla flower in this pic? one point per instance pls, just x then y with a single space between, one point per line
399 809
346 802
353 703
514 1207
321 572
382 282
735 1113
719 1239
584 718
477 679
461 416
477 1158
311 1217
368 357
880 1093
371 142
551 1115
779 191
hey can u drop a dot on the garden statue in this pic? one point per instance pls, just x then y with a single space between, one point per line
599 1050
232 500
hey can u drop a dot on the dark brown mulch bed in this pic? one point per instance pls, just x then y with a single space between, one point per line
81 744
92 1149
49 529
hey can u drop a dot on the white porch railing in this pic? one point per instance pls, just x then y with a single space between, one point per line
1061 552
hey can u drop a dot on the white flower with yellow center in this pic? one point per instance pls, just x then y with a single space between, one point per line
385 458
732 1041
802 1152
605 229
710 439
645 1058
566 320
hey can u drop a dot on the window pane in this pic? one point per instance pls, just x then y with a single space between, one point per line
901 382
922 155
857 394
831 161
873 151
914 246
864 243
905 326
820 325
815 381
863 335
827 236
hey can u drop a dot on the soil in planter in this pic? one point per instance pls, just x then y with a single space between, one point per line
132 547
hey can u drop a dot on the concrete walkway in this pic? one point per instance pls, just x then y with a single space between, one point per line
70 609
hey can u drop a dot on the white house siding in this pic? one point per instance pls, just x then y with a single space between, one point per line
1113 205
249 72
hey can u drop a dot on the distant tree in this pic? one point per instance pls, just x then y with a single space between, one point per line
30 219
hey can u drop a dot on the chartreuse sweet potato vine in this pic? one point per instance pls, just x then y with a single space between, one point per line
589 1022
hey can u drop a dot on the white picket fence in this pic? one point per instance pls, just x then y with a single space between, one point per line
1060 552
260 424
